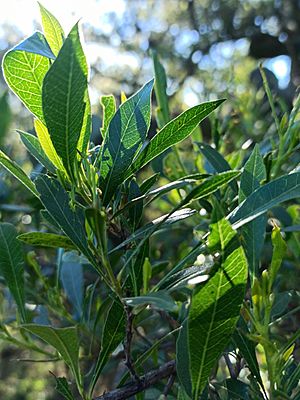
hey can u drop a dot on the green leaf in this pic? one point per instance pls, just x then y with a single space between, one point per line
36 44
47 145
174 132
126 133
63 388
182 278
34 147
215 307
254 172
279 252
85 133
183 358
112 335
64 340
160 88
24 73
17 172
161 300
262 199
141 232
217 161
71 277
108 104
11 265
64 98
44 239
56 202
52 30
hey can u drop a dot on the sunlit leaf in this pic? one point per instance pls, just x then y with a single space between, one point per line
52 30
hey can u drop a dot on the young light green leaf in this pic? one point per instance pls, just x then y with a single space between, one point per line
253 233
85 132
34 147
52 30
141 232
126 133
64 95
24 73
279 251
215 307
112 335
217 161
108 104
47 145
17 172
160 88
161 300
11 265
63 388
64 340
262 199
44 239
174 132
57 203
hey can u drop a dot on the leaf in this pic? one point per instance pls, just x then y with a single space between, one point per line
136 210
56 202
24 73
52 30
254 232
147 184
64 340
126 133
136 269
85 133
47 145
279 252
141 232
11 265
160 88
108 104
183 278
35 44
44 239
17 172
64 98
34 147
63 388
262 199
112 335
161 300
215 307
183 358
174 132
71 276
217 161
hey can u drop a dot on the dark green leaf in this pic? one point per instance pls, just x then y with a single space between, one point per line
64 340
215 307
262 199
11 265
63 388
147 184
17 172
126 133
44 239
64 98
183 358
33 145
174 132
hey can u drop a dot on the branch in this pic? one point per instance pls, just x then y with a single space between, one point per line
147 380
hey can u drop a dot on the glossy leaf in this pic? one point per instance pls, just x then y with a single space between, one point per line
108 104
253 233
141 232
24 73
34 147
215 306
126 133
52 30
64 95
11 265
57 203
44 239
64 340
112 335
47 145
17 172
262 199
161 300
174 132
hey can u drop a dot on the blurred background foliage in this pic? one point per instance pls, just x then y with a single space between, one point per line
210 49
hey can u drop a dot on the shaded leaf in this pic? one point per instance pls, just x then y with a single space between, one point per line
52 30
63 388
44 239
11 265
174 132
161 300
35 44
17 172
71 276
183 358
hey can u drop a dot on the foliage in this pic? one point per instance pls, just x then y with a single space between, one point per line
147 268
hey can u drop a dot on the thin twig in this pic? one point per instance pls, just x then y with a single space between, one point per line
146 381
169 385
127 344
